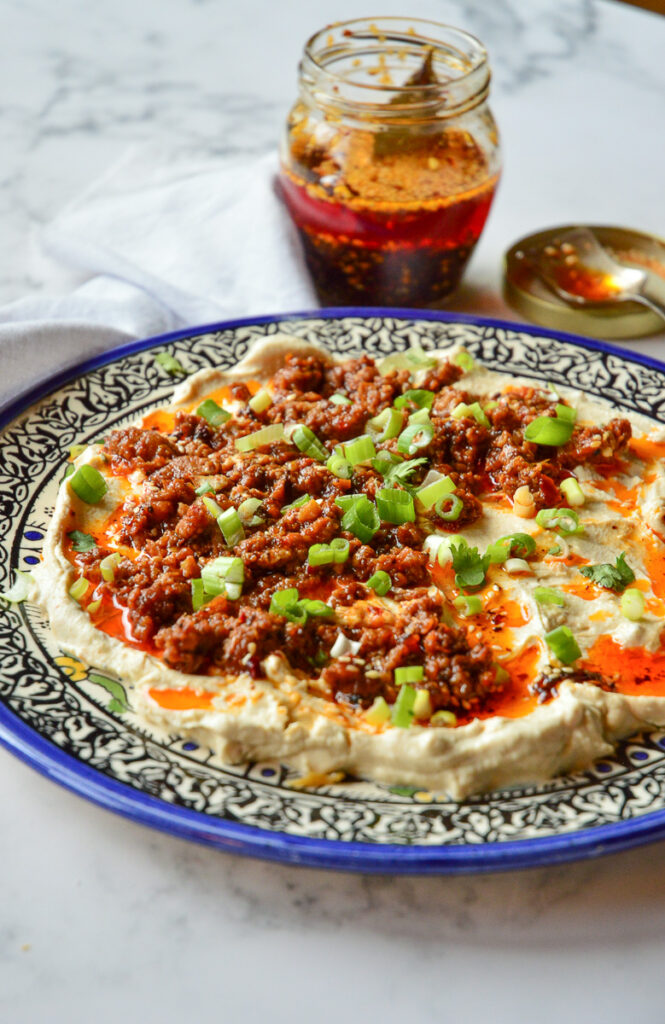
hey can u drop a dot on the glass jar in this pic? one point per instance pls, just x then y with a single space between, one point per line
390 160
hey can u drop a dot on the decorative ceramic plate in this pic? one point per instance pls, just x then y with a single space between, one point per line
76 725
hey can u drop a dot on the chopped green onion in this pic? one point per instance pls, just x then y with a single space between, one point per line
82 541
549 431
419 416
317 608
632 604
417 357
76 450
261 401
213 413
556 550
308 443
199 596
409 674
564 520
79 588
247 510
563 644
380 583
572 492
204 488
169 363
379 712
231 526
212 506
548 595
108 565
338 399
422 705
564 412
298 503
434 491
221 573
339 467
320 554
517 565
233 591
468 604
414 437
71 468
419 397
449 514
360 516
520 544
340 549
283 602
93 607
88 484
445 718
402 710
474 411
386 425
395 506
360 449
266 435
464 359
20 588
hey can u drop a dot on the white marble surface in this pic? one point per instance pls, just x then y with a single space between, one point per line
102 918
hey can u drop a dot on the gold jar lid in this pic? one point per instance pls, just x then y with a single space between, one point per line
528 294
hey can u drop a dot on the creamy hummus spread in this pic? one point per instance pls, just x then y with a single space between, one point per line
428 573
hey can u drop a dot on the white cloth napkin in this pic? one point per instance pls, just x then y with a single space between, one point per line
160 242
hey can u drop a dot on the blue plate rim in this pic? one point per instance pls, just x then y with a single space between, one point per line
61 767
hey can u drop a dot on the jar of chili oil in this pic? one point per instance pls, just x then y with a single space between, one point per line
390 160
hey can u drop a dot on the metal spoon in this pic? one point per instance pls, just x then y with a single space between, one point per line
578 269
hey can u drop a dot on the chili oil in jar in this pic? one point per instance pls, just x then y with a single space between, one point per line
390 160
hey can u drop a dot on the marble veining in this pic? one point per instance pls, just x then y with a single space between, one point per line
101 917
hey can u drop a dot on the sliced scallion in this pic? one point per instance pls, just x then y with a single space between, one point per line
213 413
418 397
76 450
409 674
247 512
315 608
298 503
549 595
379 712
205 487
340 549
572 492
445 718
20 588
338 399
199 596
395 506
169 363
549 431
414 437
386 425
520 544
468 604
93 607
339 466
360 449
360 516
632 604
266 435
517 565
320 554
308 443
79 588
380 583
564 520
231 526
434 491
463 359
474 411
402 710
564 412
449 508
108 565
563 644
286 603
422 705
261 401
88 484
221 573
212 506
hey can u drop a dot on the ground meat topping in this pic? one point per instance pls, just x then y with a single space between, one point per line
170 529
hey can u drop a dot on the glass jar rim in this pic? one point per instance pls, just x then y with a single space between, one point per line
454 46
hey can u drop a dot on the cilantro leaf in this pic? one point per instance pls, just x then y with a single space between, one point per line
400 473
612 577
469 565
82 541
